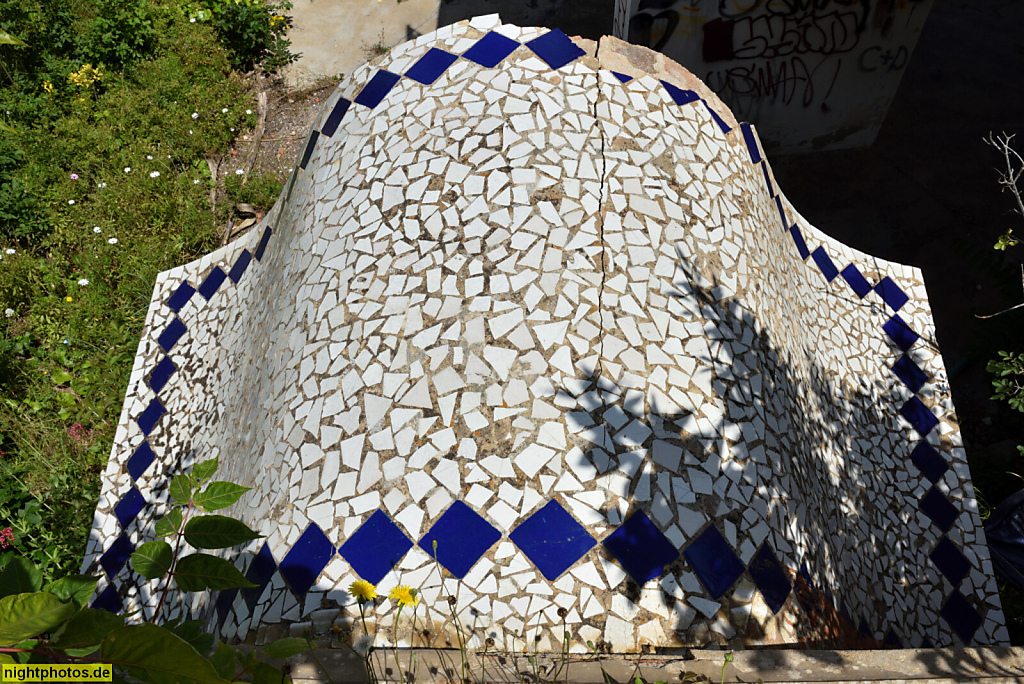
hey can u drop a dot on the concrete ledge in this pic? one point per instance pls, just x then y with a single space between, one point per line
991 665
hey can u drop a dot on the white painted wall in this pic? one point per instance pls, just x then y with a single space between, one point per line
810 74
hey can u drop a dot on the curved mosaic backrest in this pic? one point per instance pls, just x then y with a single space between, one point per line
561 321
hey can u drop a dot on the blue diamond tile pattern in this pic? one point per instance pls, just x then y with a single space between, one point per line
768 183
114 558
907 371
961 616
462 536
798 239
931 464
108 600
263 243
722 126
241 263
181 296
330 126
622 77
555 48
161 374
223 605
919 416
430 66
552 540
129 506
900 332
140 460
260 571
856 280
936 506
212 282
824 262
892 640
950 560
376 547
171 334
308 152
491 49
306 559
377 89
748 137
641 548
148 418
714 561
770 578
891 293
782 213
680 96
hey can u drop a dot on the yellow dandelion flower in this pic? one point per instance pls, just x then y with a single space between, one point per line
405 595
363 591
48 87
69 299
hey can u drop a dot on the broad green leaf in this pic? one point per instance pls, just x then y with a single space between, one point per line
6 659
26 658
264 673
223 660
217 532
88 628
219 495
60 377
76 588
23 616
202 571
153 559
7 39
4 128
154 654
285 648
20 576
205 470
192 632
181 489
169 524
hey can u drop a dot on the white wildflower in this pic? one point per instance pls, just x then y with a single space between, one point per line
97 229
195 115
9 251
154 174
9 312
83 282
71 201
127 169
362 645
112 241
224 111
239 172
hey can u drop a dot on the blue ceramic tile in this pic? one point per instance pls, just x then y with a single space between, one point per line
892 640
306 559
714 561
825 265
857 282
161 374
114 558
430 66
930 462
900 332
171 334
241 263
680 96
308 152
863 627
491 49
767 180
377 89
950 560
748 137
108 600
552 540
798 238
140 460
263 243
936 506
622 77
334 119
641 548
782 212
770 578
462 536
129 506
961 616
150 416
803 572
722 126
260 571
181 296
907 371
223 605
891 293
918 415
926 643
376 547
555 48
212 283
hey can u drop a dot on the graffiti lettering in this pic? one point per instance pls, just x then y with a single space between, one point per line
786 81
793 8
775 36
875 58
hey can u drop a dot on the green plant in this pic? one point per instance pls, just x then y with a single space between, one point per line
252 30
379 48
261 190
1009 381
121 33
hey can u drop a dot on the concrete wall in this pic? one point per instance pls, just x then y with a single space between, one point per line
811 74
